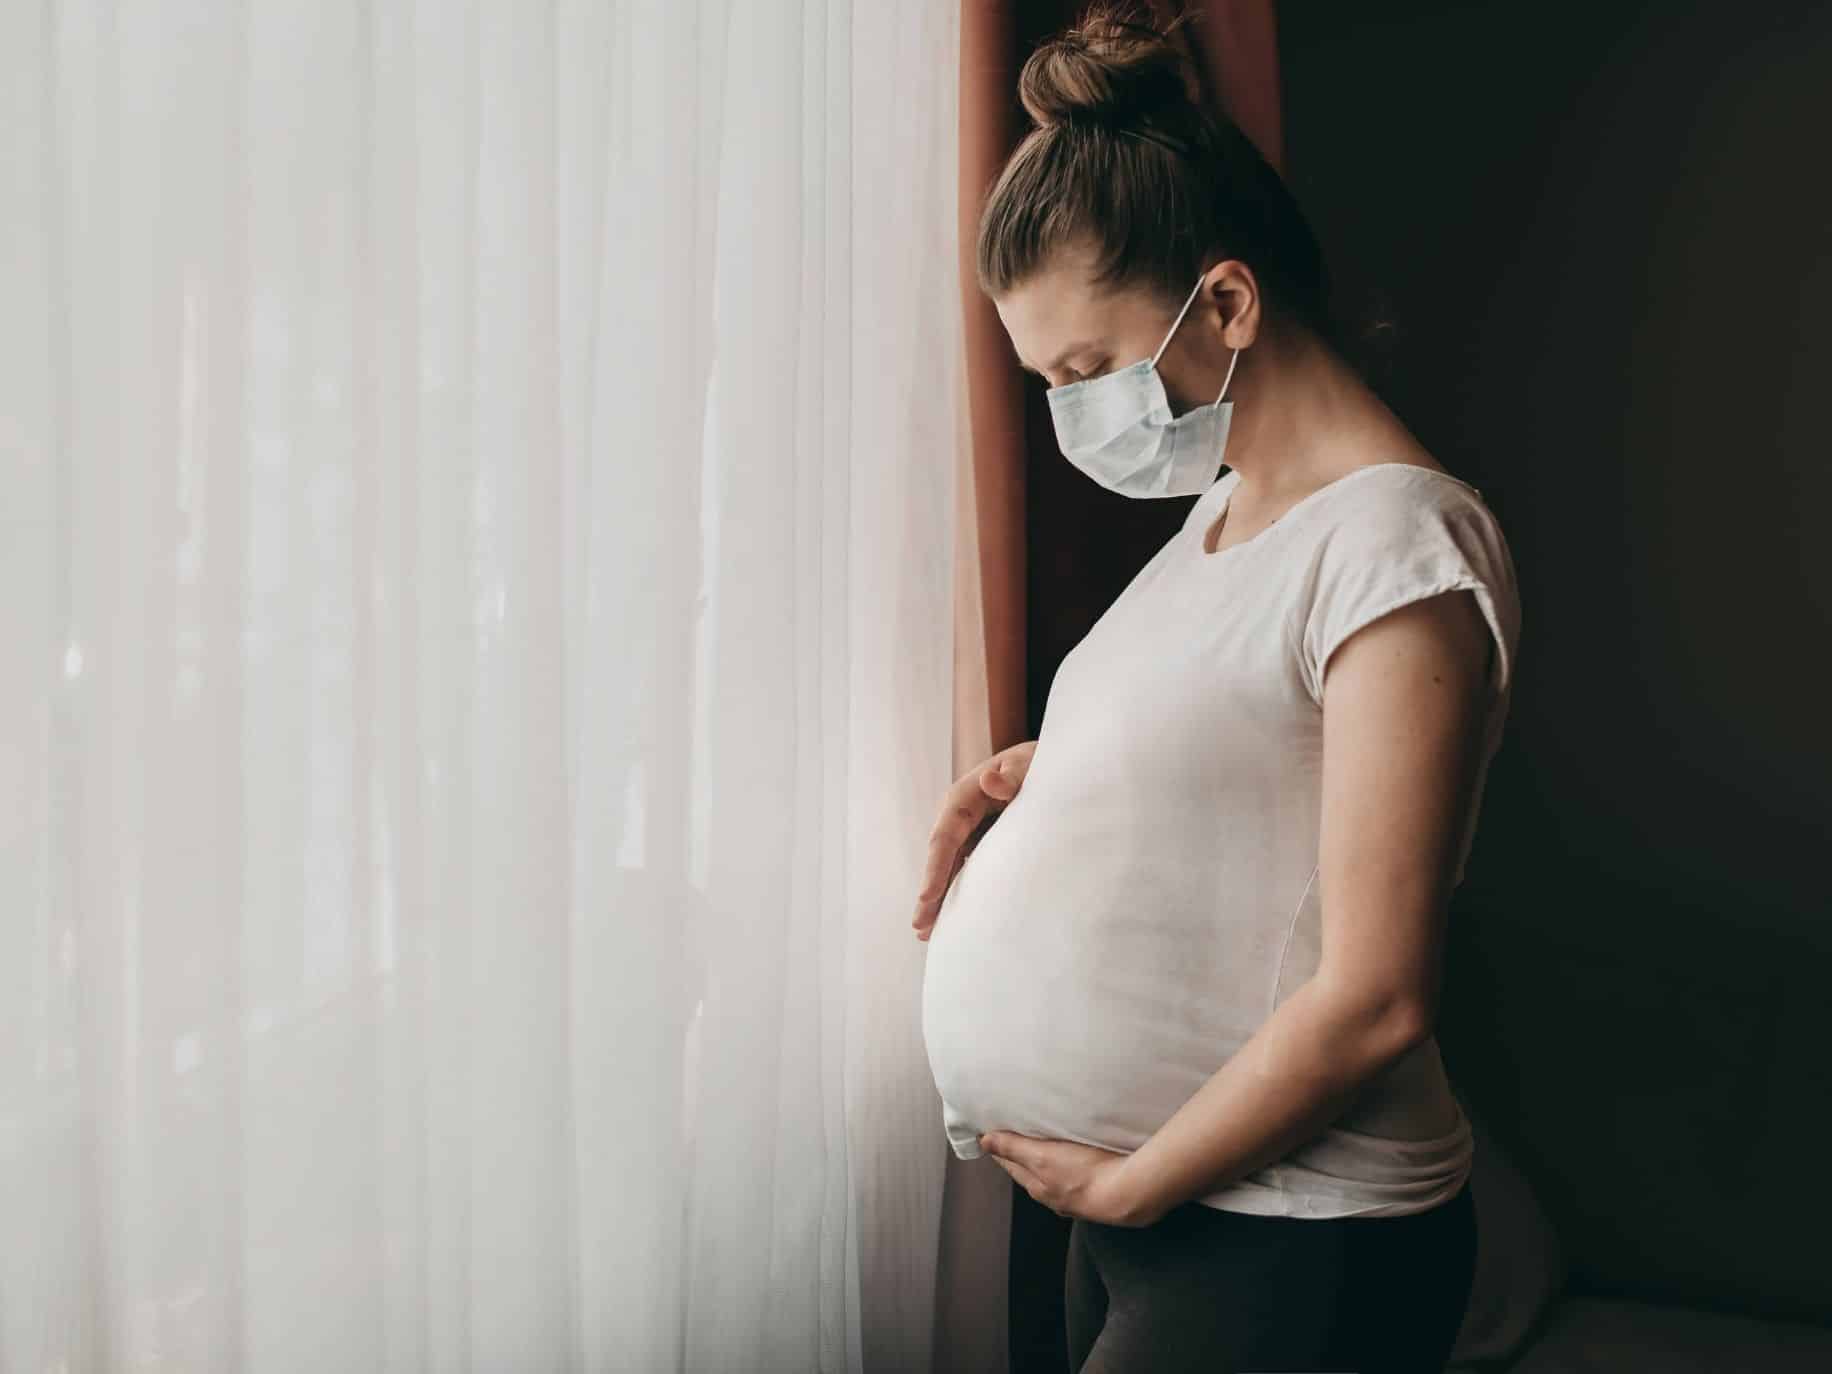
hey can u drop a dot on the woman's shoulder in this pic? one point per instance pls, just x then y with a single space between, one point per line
1392 502
1399 483
1402 532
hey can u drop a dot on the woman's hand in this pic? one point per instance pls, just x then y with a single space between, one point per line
977 794
1071 1179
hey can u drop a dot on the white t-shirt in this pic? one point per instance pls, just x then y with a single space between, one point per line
1150 895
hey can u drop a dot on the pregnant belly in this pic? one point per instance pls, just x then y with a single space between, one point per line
1066 999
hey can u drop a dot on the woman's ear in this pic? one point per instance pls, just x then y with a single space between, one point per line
1232 303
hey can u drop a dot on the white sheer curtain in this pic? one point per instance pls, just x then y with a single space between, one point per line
476 545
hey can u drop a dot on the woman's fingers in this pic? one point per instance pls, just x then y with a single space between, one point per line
997 781
966 808
1009 767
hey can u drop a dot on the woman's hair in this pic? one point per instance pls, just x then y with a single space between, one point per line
1126 161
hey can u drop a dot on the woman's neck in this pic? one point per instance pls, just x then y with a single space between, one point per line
1304 418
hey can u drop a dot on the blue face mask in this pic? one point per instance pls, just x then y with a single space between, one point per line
1119 430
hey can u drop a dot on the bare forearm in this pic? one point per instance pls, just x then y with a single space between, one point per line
1298 1073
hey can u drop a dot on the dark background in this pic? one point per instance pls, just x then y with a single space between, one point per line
1599 237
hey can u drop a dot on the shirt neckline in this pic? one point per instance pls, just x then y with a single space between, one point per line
1227 484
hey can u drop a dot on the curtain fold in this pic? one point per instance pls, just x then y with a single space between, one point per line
478 539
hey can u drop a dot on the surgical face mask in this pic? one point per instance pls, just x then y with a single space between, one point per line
1119 430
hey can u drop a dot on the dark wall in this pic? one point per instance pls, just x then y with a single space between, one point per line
1602 234
1604 229
1605 233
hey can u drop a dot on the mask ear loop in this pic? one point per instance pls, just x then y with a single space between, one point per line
1174 323
1173 329
1230 377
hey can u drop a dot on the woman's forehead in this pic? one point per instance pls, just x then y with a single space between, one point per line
1058 312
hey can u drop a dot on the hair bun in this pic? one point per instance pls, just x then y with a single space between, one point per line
1105 70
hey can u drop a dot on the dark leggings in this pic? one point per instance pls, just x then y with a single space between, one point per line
1224 1292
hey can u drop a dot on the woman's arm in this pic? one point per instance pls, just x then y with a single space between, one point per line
1404 708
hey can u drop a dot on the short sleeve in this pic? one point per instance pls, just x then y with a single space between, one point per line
1400 541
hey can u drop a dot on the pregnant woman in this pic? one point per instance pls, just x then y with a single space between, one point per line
1183 988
